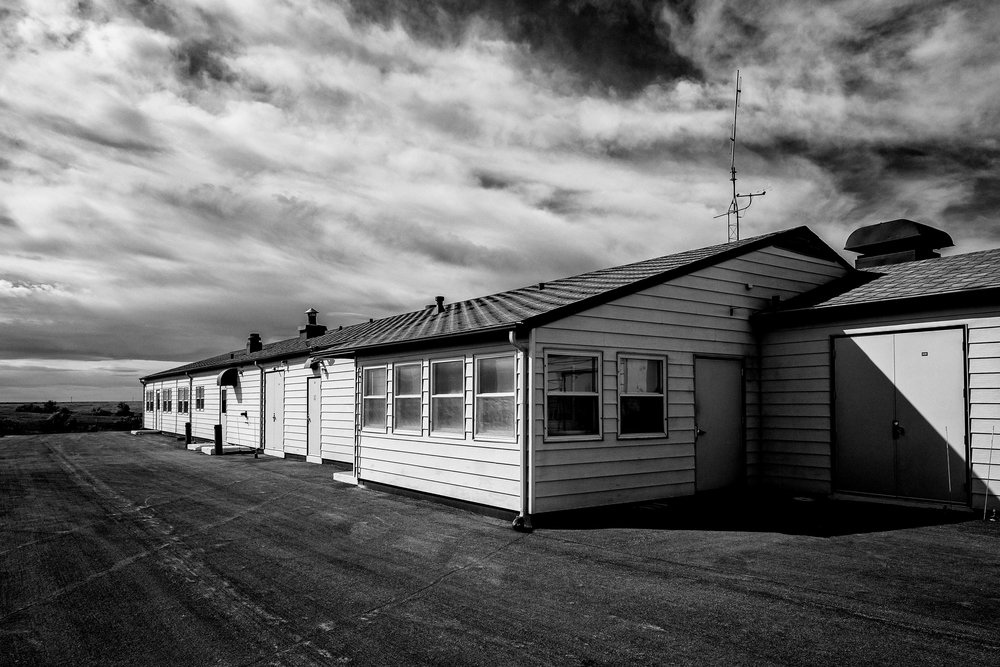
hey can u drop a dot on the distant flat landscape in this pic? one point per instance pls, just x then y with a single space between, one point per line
75 417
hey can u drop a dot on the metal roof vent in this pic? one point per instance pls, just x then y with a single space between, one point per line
311 329
895 242
254 343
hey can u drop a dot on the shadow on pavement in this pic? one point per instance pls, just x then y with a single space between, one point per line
757 512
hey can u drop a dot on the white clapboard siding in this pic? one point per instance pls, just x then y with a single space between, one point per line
296 405
797 443
337 387
203 421
456 465
703 313
244 397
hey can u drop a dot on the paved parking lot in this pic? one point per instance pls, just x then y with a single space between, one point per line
116 549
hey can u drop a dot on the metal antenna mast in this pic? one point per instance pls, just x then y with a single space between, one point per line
733 212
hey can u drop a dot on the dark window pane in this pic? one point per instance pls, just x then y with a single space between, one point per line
496 376
566 373
572 415
642 414
448 414
448 377
407 379
495 416
407 414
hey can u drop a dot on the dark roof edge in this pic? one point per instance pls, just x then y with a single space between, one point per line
942 300
783 239
415 343
224 363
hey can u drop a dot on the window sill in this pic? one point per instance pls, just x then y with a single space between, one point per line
573 438
450 435
509 439
643 436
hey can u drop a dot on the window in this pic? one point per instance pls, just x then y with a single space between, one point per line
183 399
448 396
572 395
406 412
149 401
167 402
495 397
199 398
222 401
641 396
373 397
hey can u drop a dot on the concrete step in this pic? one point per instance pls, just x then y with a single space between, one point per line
226 449
345 477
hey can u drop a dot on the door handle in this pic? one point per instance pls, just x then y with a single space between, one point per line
897 430
698 431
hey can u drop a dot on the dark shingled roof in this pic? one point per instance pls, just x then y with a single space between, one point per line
524 307
927 277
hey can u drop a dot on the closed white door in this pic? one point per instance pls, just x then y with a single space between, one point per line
274 410
900 414
718 407
314 418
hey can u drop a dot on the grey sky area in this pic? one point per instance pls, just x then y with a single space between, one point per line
174 175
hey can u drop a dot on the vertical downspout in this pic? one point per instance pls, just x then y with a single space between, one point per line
522 522
260 412
190 413
358 407
144 403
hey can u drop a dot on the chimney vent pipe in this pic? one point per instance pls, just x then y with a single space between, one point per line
254 343
311 329
439 300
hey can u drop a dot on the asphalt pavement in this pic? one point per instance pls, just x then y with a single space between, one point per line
130 550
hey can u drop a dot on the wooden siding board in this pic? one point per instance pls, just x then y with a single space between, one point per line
682 318
447 489
436 463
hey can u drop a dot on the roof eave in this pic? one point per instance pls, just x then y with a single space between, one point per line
419 343
782 240
985 297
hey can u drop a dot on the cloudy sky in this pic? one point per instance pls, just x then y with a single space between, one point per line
174 175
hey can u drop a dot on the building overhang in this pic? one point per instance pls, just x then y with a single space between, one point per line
228 377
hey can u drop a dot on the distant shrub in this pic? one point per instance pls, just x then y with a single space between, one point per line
10 427
47 407
100 412
124 410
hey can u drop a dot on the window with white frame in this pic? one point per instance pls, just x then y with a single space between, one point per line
167 400
406 410
183 399
448 396
199 398
641 395
494 406
572 394
373 397
149 401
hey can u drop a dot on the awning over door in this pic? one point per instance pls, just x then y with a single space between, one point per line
227 378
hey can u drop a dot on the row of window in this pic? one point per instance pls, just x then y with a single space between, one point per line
493 389
164 403
573 395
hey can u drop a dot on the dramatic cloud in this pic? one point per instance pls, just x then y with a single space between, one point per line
176 175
